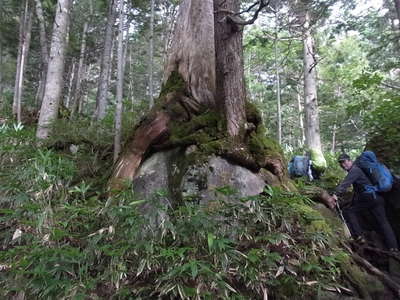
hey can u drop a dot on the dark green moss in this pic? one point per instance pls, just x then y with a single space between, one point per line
175 83
252 113
261 146
201 129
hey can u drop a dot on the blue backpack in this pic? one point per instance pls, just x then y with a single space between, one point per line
298 166
377 172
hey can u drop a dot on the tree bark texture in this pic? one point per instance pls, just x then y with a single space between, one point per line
1 76
229 65
203 75
313 137
151 56
310 89
192 51
102 89
120 83
278 86
54 82
19 56
79 76
43 50
301 118
71 82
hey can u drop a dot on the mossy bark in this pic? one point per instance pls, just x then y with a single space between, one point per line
202 101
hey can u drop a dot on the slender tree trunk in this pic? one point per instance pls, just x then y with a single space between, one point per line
87 70
278 85
168 25
102 90
43 51
151 56
313 138
26 23
131 94
1 75
229 66
54 82
333 147
397 4
71 82
19 57
301 122
120 84
77 92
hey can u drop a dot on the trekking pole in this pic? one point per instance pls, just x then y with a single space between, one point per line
345 227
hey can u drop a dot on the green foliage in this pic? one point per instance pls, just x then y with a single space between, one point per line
72 245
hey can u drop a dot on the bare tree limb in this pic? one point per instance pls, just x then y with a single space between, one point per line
375 271
237 21
390 86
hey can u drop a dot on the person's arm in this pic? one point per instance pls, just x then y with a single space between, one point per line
347 181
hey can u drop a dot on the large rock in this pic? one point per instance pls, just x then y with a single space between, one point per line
171 177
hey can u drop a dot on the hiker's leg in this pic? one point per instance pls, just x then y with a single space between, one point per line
350 214
390 238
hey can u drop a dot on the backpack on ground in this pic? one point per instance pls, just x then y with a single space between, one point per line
299 166
377 172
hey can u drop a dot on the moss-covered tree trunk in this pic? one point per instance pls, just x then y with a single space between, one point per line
203 77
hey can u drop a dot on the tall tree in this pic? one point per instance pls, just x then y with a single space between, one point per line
44 53
313 137
397 4
120 83
204 73
1 75
229 65
102 89
76 97
151 55
23 50
55 71
278 83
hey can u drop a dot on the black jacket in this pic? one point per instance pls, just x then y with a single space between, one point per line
355 177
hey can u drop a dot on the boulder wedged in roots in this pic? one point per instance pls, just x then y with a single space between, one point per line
174 177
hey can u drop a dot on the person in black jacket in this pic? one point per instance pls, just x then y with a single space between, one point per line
362 201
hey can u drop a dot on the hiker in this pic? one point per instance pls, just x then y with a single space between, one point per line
302 165
363 200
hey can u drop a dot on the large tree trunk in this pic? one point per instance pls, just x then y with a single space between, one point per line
203 81
102 90
192 58
23 50
229 66
313 138
55 71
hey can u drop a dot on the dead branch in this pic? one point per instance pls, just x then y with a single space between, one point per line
374 271
237 21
